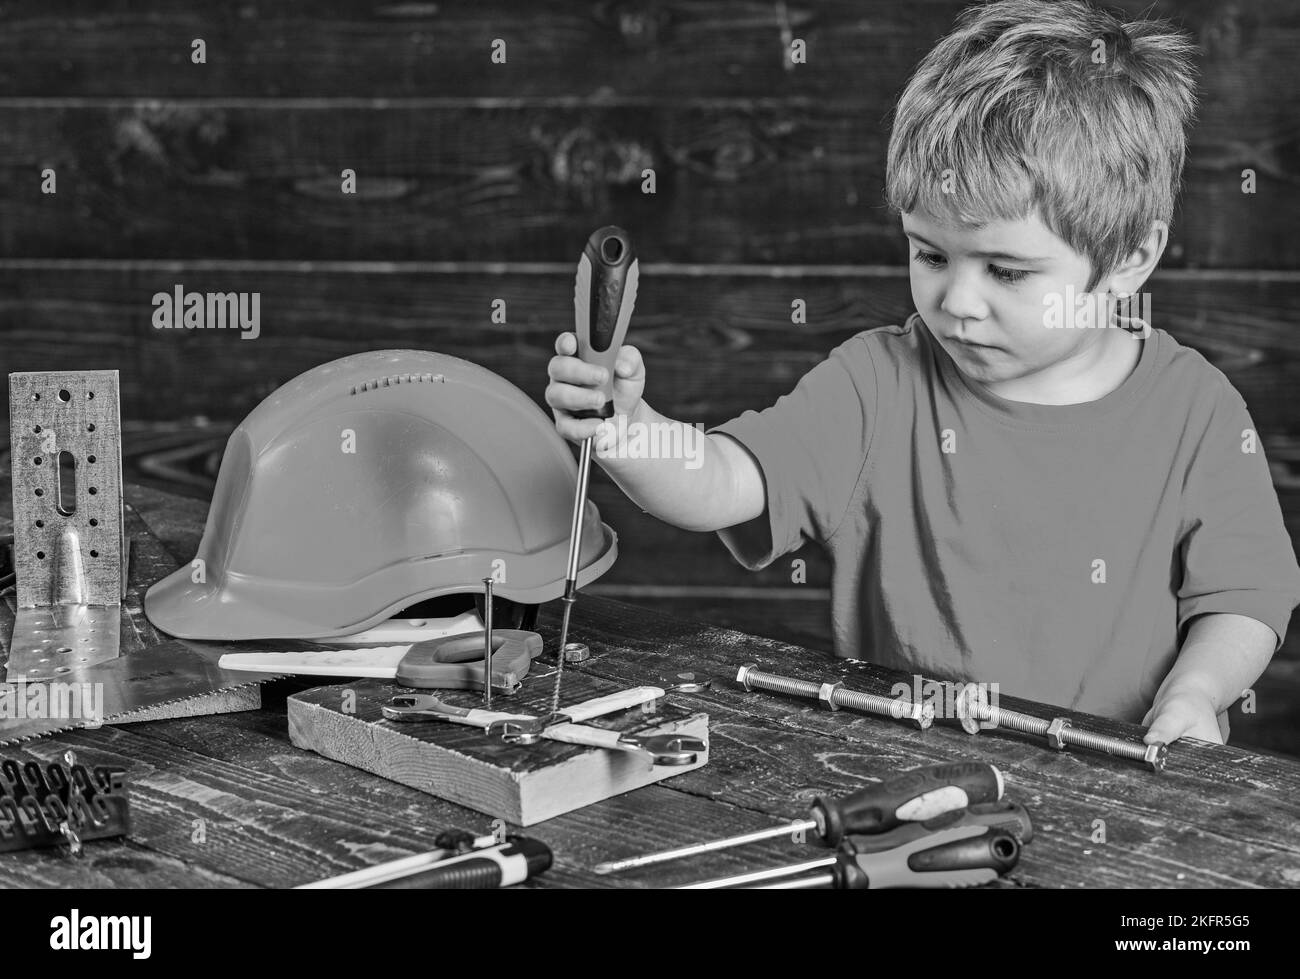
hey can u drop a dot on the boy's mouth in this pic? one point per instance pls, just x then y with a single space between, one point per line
971 345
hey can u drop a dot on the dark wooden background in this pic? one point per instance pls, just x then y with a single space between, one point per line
480 181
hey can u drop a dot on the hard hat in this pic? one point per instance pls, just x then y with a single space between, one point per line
374 482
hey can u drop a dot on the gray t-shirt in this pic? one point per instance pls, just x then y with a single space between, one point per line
1058 551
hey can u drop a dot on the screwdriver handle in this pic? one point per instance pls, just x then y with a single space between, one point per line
512 862
1003 814
961 856
603 296
914 796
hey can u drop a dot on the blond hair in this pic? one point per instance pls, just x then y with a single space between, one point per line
1058 108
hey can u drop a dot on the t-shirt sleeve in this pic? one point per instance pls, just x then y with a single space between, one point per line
811 447
1236 552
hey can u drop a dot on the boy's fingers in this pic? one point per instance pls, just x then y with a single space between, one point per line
629 362
1169 726
566 343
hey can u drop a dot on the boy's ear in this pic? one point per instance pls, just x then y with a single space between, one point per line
1134 270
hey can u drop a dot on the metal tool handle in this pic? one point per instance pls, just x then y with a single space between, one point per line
485 718
596 737
624 699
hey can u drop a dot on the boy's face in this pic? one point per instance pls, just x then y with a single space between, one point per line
981 292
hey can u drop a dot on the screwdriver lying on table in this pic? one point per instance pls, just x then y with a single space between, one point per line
911 797
961 857
928 863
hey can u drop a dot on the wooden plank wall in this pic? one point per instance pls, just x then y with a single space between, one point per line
479 181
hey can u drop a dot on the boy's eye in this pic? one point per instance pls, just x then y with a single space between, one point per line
1005 276
1008 276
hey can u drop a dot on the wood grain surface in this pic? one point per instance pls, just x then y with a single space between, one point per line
757 159
227 801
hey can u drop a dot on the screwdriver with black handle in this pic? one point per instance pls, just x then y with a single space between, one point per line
604 295
913 796
1003 815
962 856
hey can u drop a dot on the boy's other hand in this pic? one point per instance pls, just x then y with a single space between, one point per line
575 386
1187 713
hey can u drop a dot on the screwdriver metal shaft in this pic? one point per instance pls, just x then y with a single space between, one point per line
571 572
913 796
788 829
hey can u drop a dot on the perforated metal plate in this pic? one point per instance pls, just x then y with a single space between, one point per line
68 547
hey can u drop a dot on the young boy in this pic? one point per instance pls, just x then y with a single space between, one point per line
1014 487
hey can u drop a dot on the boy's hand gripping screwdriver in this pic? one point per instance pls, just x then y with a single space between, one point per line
603 297
914 796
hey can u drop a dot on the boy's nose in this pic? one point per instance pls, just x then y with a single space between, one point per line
962 300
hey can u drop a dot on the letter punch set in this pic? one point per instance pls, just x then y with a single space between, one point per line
439 696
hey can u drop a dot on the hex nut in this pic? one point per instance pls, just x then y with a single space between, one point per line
1054 730
1156 755
576 652
742 676
826 695
971 698
923 715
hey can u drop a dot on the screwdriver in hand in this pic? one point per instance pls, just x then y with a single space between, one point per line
914 796
603 297
1001 815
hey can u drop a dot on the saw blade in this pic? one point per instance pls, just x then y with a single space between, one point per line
166 673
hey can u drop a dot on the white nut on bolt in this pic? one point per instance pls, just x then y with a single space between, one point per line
826 694
742 676
972 707
1054 730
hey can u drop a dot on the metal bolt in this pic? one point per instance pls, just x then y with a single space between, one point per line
827 695
1156 755
1055 732
922 715
487 642
973 707
1151 755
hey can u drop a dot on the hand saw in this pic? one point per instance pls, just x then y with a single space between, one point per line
111 692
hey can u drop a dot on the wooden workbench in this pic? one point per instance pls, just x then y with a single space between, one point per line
226 801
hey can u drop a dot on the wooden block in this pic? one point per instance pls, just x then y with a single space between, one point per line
520 784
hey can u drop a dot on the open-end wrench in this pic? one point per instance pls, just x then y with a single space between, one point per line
661 748
425 707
